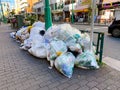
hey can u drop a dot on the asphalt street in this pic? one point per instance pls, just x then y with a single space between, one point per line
111 44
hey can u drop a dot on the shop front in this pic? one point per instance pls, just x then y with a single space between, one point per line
82 13
67 12
106 10
57 15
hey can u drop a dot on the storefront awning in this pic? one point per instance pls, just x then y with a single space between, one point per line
109 1
84 8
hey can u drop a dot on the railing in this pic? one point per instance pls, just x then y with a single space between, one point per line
99 45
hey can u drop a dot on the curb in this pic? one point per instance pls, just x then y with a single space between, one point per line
89 24
80 23
114 63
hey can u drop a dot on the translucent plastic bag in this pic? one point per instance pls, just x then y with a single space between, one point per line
86 60
20 33
57 47
68 28
84 41
65 64
62 32
12 35
67 38
51 33
76 47
39 24
38 51
36 37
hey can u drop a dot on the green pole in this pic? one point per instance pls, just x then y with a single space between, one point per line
36 14
2 11
101 48
72 13
48 18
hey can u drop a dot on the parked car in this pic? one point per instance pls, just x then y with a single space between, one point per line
114 28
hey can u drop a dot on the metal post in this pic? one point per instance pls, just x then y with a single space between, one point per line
72 13
92 23
36 14
98 43
101 47
48 18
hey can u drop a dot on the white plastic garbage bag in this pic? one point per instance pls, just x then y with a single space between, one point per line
84 41
19 32
68 28
57 47
65 64
76 47
36 31
12 35
38 51
39 24
36 37
86 60
22 34
67 38
27 44
62 32
51 33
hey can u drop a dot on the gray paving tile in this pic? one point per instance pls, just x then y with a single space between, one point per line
21 71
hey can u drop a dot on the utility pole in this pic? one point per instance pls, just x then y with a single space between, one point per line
36 14
48 18
72 14
92 23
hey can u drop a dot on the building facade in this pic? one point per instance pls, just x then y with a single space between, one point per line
20 6
61 10
23 5
6 8
83 10
107 10
69 5
17 6
29 8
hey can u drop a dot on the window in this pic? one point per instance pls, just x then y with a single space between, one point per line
39 9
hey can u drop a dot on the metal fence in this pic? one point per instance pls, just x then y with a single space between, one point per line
99 43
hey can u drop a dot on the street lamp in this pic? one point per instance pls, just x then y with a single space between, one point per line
48 18
72 13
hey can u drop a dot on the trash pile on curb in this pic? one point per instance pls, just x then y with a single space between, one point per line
64 46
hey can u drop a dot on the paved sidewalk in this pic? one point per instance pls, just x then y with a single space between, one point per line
21 71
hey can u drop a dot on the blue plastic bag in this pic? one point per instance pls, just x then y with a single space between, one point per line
65 64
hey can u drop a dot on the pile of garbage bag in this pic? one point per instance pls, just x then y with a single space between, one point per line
63 46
